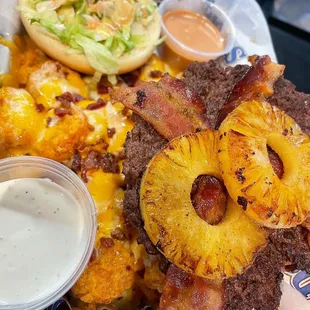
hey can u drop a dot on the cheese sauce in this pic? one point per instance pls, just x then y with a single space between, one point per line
42 239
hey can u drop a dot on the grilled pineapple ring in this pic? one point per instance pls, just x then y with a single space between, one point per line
248 173
213 252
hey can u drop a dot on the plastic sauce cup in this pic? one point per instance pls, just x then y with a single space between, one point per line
178 55
38 167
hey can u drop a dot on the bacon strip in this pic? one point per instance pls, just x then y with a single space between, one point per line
169 106
257 84
183 291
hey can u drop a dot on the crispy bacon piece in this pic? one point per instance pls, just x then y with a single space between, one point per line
257 84
40 107
183 291
169 106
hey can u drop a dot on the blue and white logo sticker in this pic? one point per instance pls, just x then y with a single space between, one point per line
236 54
300 280
60 304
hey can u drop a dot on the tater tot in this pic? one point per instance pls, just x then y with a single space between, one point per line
107 277
52 80
20 121
62 135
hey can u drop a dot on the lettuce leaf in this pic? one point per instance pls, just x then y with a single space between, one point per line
79 38
98 56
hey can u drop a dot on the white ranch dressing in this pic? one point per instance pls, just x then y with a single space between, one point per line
42 239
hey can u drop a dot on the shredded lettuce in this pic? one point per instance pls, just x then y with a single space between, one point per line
98 55
97 28
51 5
80 7
118 48
51 27
66 14
112 78
33 3
108 43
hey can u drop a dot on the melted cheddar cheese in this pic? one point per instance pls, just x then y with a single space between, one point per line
54 79
25 129
153 65
108 117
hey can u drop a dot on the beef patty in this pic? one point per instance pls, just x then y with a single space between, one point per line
259 286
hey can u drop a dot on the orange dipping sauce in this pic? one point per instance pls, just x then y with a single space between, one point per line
195 32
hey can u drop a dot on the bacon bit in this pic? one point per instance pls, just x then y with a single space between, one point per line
62 112
107 242
118 234
77 98
109 164
111 132
184 291
156 74
92 161
40 107
77 162
103 144
121 155
257 84
104 86
67 98
102 89
169 105
130 79
100 103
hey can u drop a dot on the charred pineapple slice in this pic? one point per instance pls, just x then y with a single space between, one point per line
210 251
251 181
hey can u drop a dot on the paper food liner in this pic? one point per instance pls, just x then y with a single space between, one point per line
252 37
